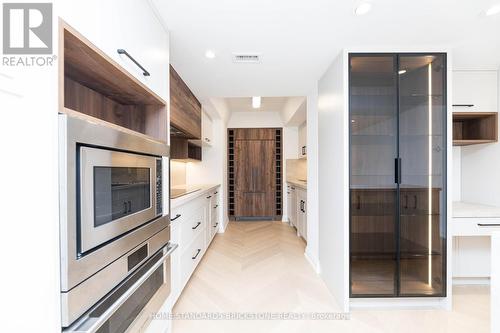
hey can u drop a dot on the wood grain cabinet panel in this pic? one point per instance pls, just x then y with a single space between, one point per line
256 184
185 109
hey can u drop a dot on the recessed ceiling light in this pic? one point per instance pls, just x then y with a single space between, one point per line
210 54
493 10
256 102
363 8
401 72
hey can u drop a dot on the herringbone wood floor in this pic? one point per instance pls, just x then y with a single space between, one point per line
260 267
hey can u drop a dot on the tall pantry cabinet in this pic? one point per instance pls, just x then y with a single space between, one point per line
397 174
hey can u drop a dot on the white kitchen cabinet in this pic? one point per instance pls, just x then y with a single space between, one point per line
303 140
476 88
206 129
194 224
137 30
292 205
301 213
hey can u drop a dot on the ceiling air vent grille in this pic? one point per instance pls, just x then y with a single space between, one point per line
246 58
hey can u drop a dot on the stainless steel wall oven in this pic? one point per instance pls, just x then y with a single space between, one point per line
112 217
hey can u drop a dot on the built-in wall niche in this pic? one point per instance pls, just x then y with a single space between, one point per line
471 128
92 84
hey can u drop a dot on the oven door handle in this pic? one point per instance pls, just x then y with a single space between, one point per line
93 324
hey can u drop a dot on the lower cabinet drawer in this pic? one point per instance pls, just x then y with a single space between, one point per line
190 257
192 226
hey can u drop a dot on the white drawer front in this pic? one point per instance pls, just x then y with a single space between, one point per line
190 258
474 226
192 227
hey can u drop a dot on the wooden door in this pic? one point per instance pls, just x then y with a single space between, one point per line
255 167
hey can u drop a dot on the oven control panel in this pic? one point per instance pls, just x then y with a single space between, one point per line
159 187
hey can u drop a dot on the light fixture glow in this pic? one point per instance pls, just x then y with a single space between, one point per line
210 54
493 10
429 179
256 102
363 8
402 71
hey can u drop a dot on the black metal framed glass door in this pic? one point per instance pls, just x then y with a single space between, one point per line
397 110
422 149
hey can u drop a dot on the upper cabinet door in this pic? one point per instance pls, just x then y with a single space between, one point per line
206 129
134 28
476 88
185 109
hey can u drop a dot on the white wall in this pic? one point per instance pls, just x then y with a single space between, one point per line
255 119
312 249
333 180
480 176
29 241
457 173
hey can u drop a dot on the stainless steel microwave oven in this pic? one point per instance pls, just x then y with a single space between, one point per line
113 186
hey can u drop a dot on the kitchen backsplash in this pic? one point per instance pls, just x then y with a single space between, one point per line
177 173
296 169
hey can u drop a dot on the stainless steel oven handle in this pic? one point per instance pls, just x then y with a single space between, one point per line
119 302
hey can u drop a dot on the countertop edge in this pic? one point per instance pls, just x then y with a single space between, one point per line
302 185
179 201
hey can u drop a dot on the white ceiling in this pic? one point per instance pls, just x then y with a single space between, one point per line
244 104
299 38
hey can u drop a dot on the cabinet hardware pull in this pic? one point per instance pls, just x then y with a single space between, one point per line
216 224
196 226
196 255
122 51
129 206
397 170
464 105
124 207
416 202
209 197
406 202
216 206
176 217
359 202
489 224
216 192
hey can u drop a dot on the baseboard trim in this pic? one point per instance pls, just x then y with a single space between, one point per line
398 303
313 263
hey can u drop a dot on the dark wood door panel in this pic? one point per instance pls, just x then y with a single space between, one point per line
255 188
254 134
254 204
185 109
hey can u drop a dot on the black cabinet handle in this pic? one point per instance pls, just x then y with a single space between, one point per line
489 224
464 105
359 202
176 217
416 202
122 51
216 192
196 255
406 202
397 170
216 206
124 207
209 197
303 150
196 226
129 206
216 224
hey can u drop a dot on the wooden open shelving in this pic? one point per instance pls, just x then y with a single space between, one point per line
93 84
471 128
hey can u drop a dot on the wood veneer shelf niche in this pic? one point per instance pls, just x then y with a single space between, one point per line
93 84
470 128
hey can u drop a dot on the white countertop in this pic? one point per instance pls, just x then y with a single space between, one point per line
468 209
203 189
299 183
